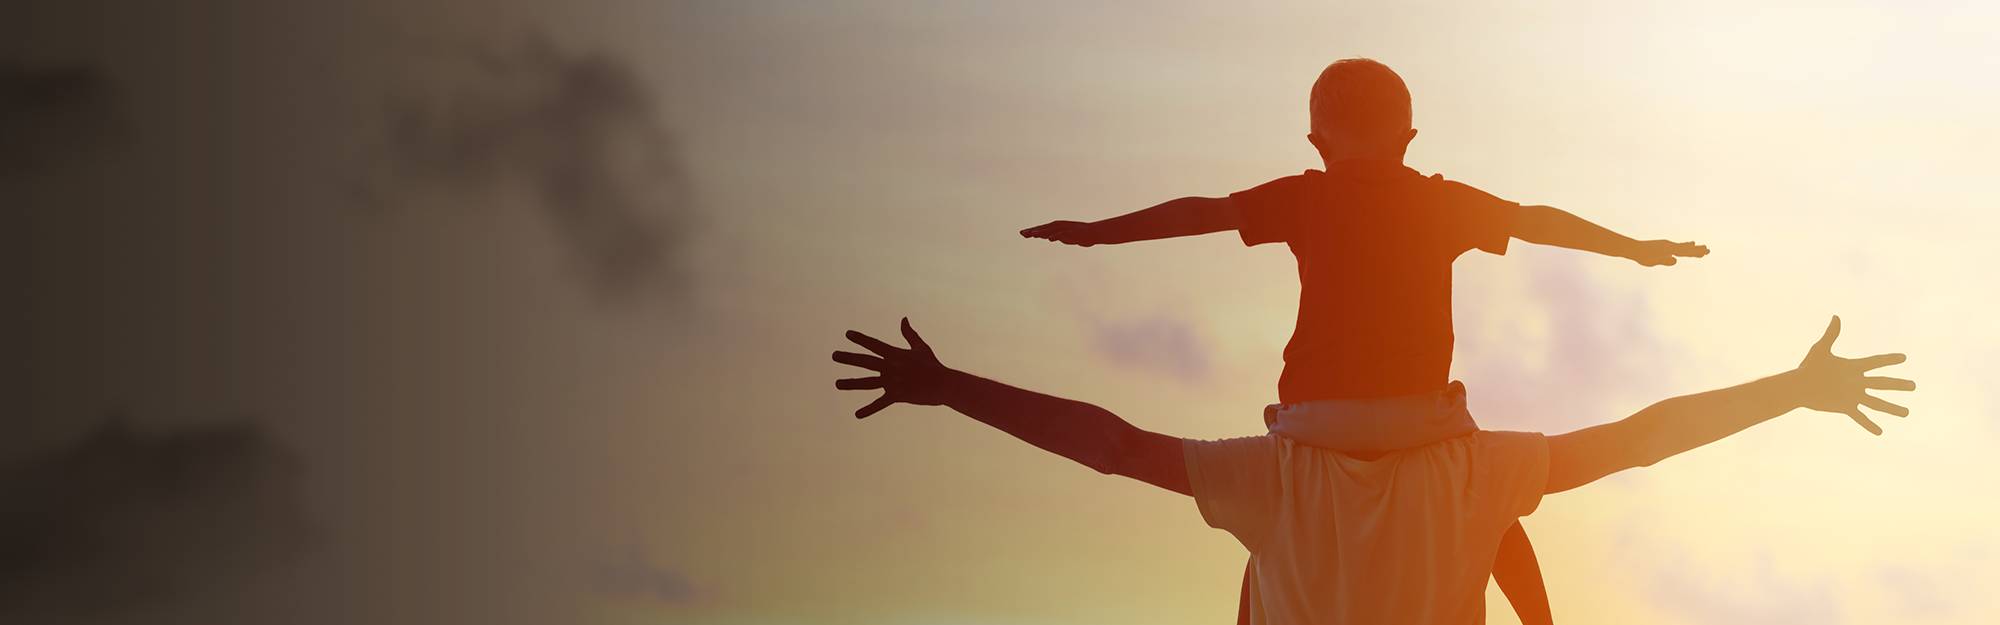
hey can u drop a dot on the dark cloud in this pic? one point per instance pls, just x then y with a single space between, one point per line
123 521
1157 343
634 575
51 114
579 134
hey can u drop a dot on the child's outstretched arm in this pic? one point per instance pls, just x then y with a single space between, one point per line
1822 382
1183 217
1548 225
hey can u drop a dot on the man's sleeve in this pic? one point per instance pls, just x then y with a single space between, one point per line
1474 219
1510 470
1269 212
1236 484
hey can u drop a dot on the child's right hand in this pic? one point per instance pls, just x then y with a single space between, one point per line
1069 232
1662 252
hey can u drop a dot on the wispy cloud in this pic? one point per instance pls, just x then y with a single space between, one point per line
50 114
1158 343
1757 596
125 520
633 574
1915 593
1597 350
580 135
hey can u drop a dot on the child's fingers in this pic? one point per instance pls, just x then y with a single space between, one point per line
1048 230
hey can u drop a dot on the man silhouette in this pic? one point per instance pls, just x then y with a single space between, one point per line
1407 537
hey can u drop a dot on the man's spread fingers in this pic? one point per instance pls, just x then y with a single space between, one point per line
916 342
1883 383
1880 360
1825 343
874 345
873 407
858 384
1883 405
860 360
1862 420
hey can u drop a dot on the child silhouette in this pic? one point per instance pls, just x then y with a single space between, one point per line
1366 371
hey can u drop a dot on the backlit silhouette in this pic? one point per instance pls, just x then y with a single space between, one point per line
1401 538
1365 372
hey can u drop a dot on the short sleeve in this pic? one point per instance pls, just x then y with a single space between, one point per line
1236 484
1510 471
1270 212
1474 219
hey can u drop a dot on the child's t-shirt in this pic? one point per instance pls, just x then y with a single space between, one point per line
1375 243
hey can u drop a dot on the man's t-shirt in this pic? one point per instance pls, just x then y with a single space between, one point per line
1405 538
1375 243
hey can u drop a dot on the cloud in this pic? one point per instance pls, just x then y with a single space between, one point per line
1915 593
1761 596
1599 349
1157 343
579 134
51 114
634 575
123 521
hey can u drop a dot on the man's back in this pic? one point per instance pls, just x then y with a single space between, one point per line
1375 243
1406 538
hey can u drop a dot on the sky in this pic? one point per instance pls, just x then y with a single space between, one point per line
421 312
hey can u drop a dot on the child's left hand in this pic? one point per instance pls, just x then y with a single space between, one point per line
1070 232
1662 252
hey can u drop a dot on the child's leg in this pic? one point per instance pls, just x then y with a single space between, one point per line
1520 577
1243 603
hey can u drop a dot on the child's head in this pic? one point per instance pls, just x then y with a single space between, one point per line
1360 109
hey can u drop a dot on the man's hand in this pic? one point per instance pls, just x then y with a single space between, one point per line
911 376
1656 253
1071 232
1829 383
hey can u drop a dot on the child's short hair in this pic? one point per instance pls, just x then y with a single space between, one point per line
1361 97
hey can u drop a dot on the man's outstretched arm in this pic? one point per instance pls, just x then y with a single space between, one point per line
1822 382
1548 225
1087 434
1182 217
